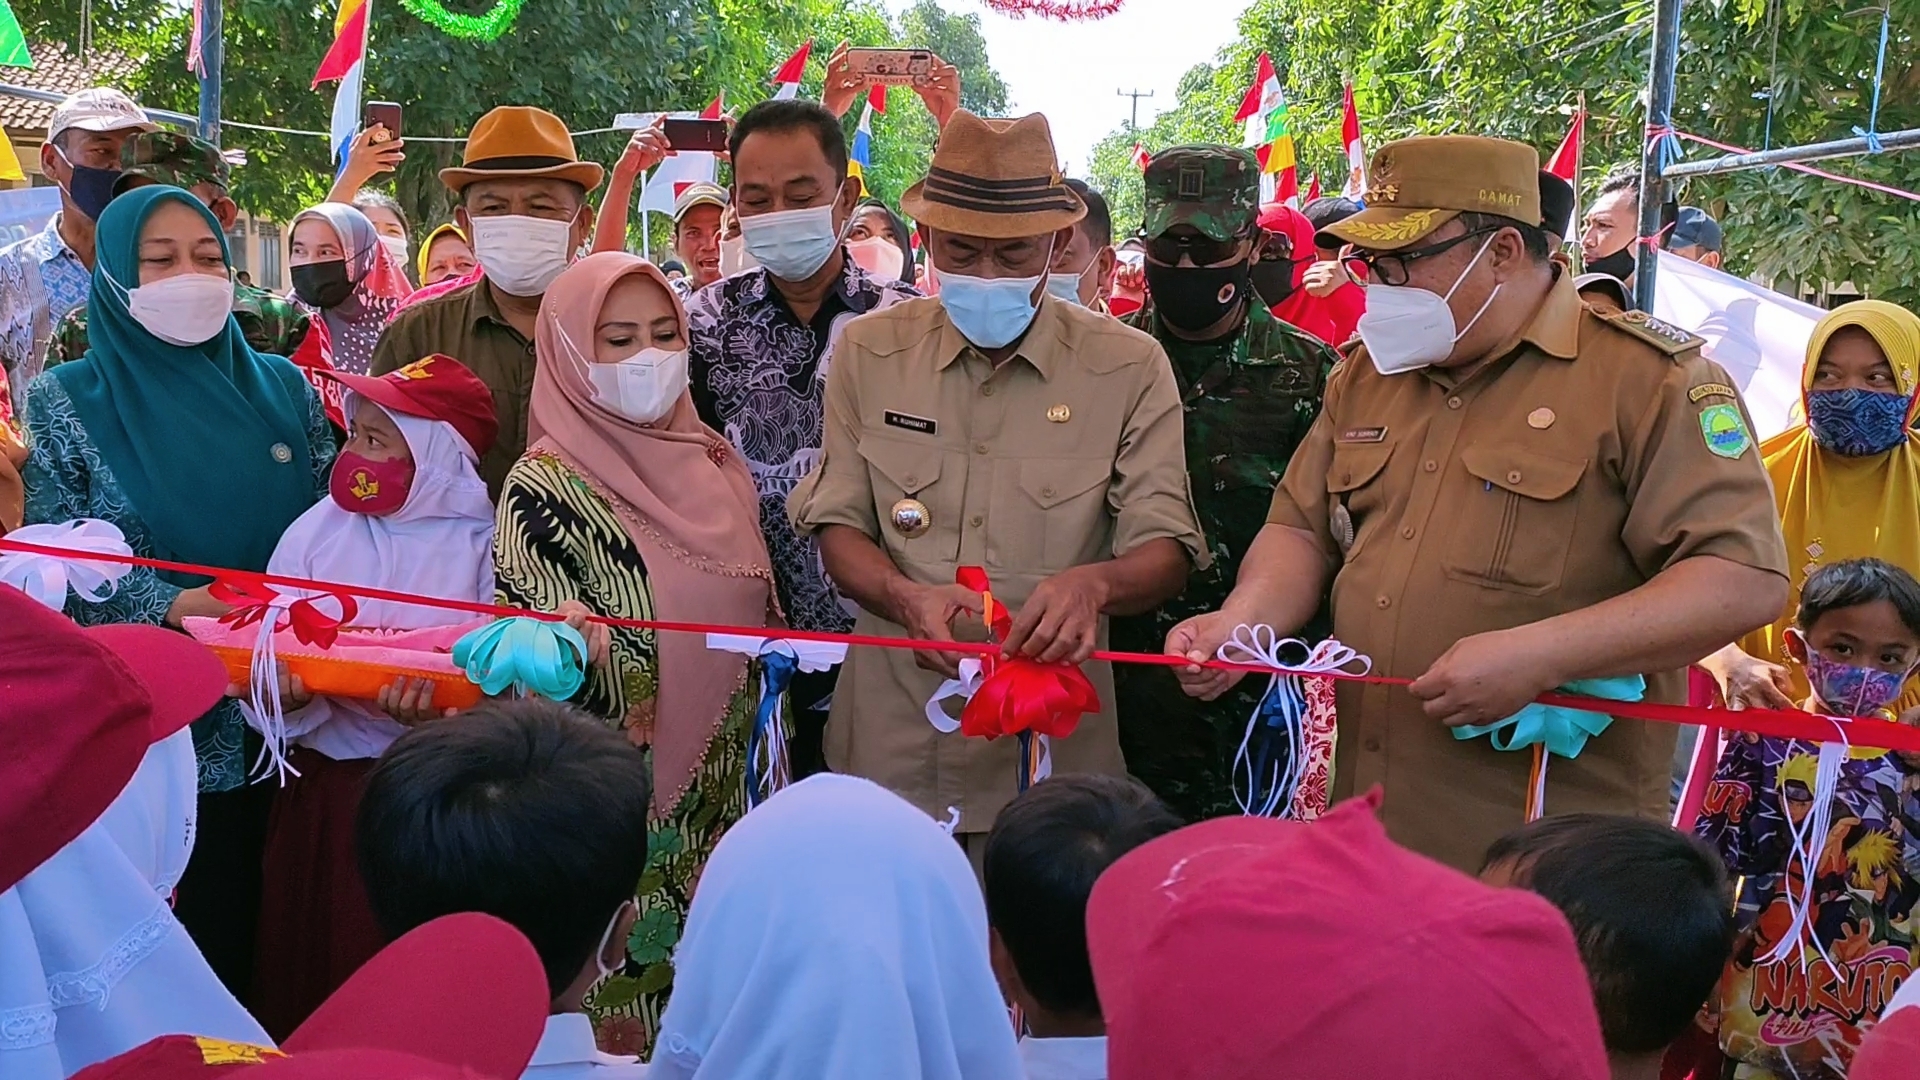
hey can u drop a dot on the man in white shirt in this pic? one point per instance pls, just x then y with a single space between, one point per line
1047 848
461 817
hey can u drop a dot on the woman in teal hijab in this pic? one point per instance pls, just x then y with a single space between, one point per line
200 450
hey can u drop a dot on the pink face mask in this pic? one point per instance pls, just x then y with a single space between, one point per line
878 256
361 485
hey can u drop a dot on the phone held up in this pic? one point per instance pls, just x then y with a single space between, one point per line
891 67
387 115
684 134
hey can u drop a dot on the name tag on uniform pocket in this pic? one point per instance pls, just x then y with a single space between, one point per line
910 422
1363 435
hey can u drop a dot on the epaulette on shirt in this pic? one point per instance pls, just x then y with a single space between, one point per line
1664 336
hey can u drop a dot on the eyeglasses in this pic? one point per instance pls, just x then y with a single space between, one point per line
1204 250
1390 267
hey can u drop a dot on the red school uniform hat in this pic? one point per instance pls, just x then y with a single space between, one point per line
437 387
1891 1049
78 709
466 992
1249 948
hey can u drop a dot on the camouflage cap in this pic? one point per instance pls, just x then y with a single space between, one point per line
1215 189
168 157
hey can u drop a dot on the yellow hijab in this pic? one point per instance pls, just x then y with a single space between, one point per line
426 247
1834 508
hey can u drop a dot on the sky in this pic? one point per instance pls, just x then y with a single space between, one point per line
1073 71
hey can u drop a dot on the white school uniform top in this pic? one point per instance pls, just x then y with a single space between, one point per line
1065 1059
567 1052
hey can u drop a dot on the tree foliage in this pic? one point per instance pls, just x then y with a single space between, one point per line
584 60
1515 68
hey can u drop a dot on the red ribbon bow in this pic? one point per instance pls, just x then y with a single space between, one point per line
1019 693
311 626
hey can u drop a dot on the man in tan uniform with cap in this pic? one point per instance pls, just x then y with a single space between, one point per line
991 426
1509 491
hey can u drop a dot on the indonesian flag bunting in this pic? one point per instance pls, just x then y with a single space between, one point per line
346 60
860 157
1264 112
790 74
1565 162
1356 185
1141 157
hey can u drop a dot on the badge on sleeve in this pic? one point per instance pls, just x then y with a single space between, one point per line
1725 430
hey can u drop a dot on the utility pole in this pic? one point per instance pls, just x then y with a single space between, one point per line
212 53
1133 122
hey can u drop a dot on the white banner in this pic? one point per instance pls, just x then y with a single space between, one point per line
1757 334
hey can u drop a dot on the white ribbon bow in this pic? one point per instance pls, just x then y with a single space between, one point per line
810 655
47 578
1261 645
963 688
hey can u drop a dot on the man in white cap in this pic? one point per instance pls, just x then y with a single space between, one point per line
696 233
46 275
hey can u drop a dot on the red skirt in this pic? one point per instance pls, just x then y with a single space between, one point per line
316 927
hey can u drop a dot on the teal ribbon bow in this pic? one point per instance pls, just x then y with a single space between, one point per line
1564 731
533 656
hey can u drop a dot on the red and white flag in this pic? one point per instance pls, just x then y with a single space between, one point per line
1313 190
1356 185
717 108
1565 162
1141 157
790 74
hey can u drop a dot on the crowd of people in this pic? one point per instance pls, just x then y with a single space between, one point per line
1403 422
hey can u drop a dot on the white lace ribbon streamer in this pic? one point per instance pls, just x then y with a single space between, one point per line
47 578
963 688
263 709
1807 843
1261 645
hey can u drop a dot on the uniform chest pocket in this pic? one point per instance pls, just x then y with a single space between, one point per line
916 512
1513 527
1060 501
1356 502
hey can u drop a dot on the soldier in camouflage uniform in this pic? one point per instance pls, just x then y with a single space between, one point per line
1251 384
270 323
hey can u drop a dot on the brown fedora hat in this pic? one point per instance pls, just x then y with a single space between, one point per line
994 178
520 140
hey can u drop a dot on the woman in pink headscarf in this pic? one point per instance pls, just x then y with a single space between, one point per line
625 505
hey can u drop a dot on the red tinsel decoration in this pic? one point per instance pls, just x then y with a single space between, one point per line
1058 10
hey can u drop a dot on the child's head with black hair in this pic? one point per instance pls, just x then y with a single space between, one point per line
525 810
1047 848
1651 909
1857 634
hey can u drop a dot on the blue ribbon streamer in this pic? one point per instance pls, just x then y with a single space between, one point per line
1275 745
776 669
533 656
1872 132
1564 731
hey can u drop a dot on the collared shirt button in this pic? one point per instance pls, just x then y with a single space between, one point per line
979 448
1454 402
1372 743
977 520
913 481
1384 602
1406 532
1430 465
1047 492
986 390
1513 477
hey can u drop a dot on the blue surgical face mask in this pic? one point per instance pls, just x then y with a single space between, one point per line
792 244
1856 422
1066 286
90 189
990 312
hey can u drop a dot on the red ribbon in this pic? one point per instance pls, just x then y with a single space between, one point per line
1019 693
253 600
1781 723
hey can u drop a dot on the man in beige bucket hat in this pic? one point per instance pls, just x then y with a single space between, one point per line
991 426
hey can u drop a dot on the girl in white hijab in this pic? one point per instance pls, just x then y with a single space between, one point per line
92 961
836 932
408 512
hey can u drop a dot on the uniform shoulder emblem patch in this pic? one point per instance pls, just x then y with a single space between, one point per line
1725 430
1664 336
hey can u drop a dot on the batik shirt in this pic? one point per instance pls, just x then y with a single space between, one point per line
759 377
270 323
41 279
1780 1018
1250 398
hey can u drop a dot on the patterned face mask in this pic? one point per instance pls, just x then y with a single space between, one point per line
1856 422
1847 689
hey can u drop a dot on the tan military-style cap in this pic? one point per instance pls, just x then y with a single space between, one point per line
1420 184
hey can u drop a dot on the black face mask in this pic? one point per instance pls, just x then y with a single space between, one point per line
1272 280
1196 297
1620 264
323 284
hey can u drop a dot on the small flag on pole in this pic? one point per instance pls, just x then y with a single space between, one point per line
1313 190
1356 185
1264 111
1565 164
790 74
1141 157
860 158
715 109
13 43
346 60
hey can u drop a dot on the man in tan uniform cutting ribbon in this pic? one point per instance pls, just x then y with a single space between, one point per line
1509 491
991 426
